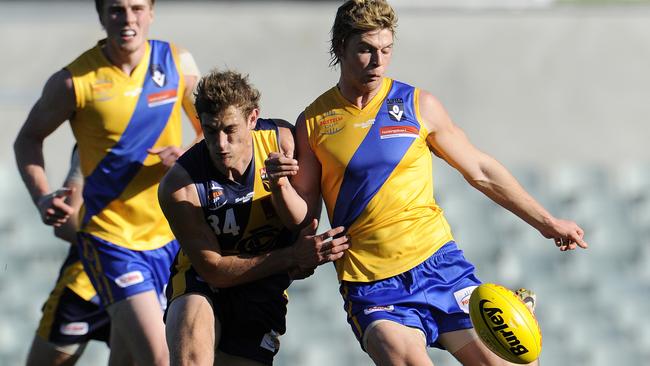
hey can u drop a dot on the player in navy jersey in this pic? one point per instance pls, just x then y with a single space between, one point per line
228 282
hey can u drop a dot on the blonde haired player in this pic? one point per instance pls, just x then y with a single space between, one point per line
366 145
124 99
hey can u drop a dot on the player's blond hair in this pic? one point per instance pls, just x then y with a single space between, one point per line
99 5
219 90
359 16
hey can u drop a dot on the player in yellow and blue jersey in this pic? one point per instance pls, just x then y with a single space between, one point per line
72 314
227 290
123 98
366 145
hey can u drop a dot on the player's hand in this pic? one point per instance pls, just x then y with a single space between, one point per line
168 154
311 250
279 167
53 208
297 273
566 234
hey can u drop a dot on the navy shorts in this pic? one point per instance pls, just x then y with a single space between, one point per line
252 315
118 273
432 297
68 318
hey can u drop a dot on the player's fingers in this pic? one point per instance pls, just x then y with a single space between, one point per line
155 150
578 239
334 256
332 233
339 248
61 208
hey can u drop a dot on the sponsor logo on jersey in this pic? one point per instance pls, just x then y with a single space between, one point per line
161 98
365 124
374 309
271 341
74 329
129 279
157 75
102 90
390 132
246 198
265 180
216 198
133 92
462 298
395 108
330 123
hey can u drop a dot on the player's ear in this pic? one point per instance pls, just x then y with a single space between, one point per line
252 118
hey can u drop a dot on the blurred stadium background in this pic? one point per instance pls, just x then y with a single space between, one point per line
556 90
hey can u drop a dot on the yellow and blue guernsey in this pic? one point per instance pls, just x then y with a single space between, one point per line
118 117
377 180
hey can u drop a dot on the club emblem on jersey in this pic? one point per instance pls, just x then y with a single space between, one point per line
395 108
157 75
216 198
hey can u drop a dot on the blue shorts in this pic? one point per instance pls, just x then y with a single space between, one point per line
432 297
118 273
68 318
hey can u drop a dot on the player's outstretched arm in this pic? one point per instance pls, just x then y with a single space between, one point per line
180 204
296 199
56 105
487 175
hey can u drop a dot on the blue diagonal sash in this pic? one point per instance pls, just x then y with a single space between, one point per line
150 116
377 156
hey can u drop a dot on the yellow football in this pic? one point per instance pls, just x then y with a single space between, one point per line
504 324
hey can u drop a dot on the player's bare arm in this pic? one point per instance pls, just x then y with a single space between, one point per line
299 198
487 175
55 106
169 154
180 204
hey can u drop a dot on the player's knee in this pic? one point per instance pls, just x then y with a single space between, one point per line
394 344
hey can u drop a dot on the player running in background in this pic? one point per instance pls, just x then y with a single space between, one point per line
365 145
227 290
123 98
72 315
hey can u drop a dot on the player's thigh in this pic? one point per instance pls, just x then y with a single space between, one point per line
391 343
138 322
192 330
475 353
224 359
44 353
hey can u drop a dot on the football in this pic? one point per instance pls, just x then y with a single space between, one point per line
504 324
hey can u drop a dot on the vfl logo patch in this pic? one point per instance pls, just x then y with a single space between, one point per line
129 279
164 97
462 298
157 75
216 198
74 329
390 132
395 108
374 309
